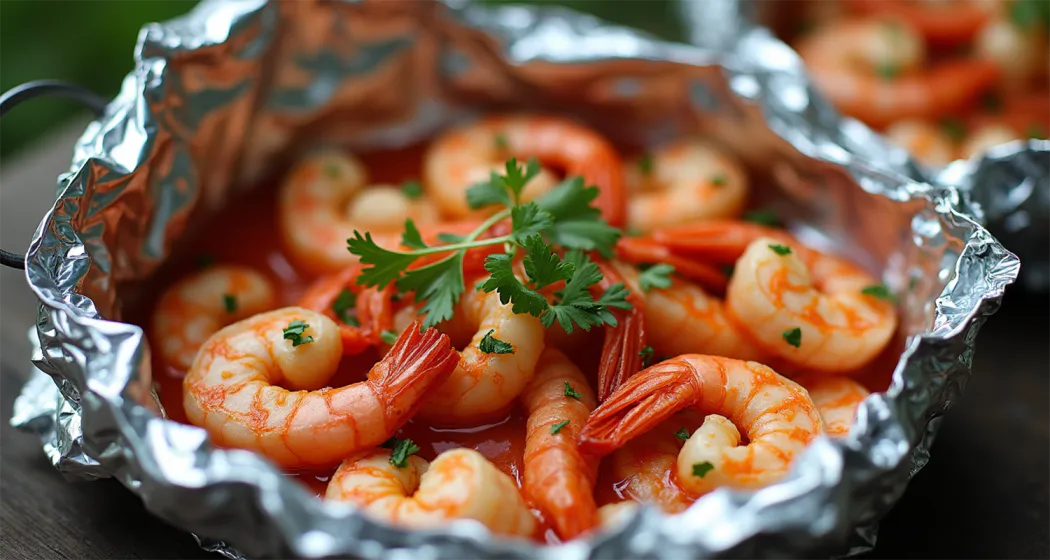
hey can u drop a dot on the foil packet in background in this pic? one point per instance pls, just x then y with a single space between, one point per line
1009 184
224 94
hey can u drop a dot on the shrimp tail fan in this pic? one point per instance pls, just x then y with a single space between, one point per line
418 361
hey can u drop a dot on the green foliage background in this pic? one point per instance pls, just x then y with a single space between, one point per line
90 42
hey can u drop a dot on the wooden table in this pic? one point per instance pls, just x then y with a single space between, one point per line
984 493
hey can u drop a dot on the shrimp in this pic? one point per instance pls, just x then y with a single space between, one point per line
776 413
557 477
985 137
837 400
1021 54
458 484
941 22
813 310
924 140
644 467
362 314
647 251
872 70
231 388
483 385
197 306
467 155
327 196
687 180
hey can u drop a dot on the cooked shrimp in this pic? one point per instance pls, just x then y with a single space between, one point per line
776 413
837 400
985 137
483 385
648 251
557 477
327 196
873 70
613 515
458 484
941 22
928 142
687 180
361 313
197 306
801 305
466 155
643 469
231 390
1021 55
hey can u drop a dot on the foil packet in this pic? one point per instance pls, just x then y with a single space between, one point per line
222 95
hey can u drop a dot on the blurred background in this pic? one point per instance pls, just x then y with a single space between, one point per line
91 43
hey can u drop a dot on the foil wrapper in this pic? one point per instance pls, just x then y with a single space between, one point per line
221 95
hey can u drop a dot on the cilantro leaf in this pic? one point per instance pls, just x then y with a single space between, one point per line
439 284
528 220
577 224
793 337
500 141
229 301
488 193
701 469
682 434
412 189
719 180
411 237
515 179
763 217
645 164
571 393
555 428
510 289
294 332
575 306
344 303
880 291
781 249
492 345
387 265
954 129
656 276
402 450
388 337
647 355
542 265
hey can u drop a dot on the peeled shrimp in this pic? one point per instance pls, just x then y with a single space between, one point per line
197 306
926 141
364 322
776 413
941 22
231 390
483 386
558 478
327 196
687 180
643 469
837 400
458 484
873 70
795 303
1021 54
467 155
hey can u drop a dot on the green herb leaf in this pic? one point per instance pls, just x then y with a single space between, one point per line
488 193
388 337
793 337
510 289
719 180
205 260
332 171
781 249
656 276
412 189
1030 14
386 266
230 302
542 265
294 332
519 176
450 238
645 164
575 306
411 237
887 70
633 232
570 392
880 291
390 443
492 345
439 284
555 428
763 217
402 450
343 305
954 129
529 220
500 141
701 469
577 224
682 434
647 355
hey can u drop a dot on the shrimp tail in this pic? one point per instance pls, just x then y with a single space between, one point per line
375 309
639 405
621 349
418 362
640 250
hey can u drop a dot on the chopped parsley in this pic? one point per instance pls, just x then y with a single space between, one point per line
645 164
887 70
402 449
412 189
701 469
343 305
763 217
388 337
555 428
570 392
294 332
633 232
229 301
492 345
793 337
954 129
332 171
719 180
562 217
879 291
682 434
781 249
647 355
500 141
655 276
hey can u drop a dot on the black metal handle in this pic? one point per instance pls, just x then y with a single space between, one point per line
45 88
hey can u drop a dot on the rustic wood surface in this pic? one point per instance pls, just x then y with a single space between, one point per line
984 493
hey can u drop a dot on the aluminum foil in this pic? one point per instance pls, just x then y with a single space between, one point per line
220 96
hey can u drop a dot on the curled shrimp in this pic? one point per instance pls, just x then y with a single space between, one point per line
687 180
467 155
813 310
484 385
362 314
942 23
327 196
231 390
873 70
458 484
1021 54
776 413
557 477
837 400
197 306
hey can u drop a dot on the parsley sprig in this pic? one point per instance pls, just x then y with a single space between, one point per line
562 217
